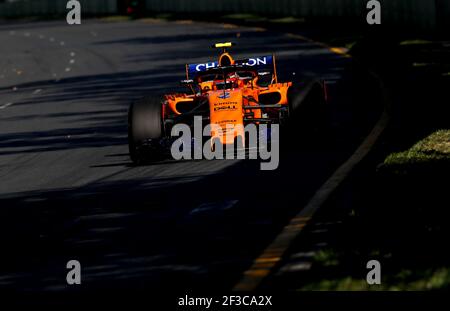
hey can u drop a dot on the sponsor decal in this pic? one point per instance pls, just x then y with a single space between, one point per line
256 61
225 106
259 61
224 95
193 68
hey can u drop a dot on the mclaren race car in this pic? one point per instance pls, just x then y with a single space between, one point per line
223 93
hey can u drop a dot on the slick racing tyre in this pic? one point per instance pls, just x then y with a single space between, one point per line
145 130
308 111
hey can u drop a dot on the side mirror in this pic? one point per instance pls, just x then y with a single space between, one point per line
187 82
264 73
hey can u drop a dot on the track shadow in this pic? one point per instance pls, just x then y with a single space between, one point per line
174 232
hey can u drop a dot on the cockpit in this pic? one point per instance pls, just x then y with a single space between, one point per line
226 78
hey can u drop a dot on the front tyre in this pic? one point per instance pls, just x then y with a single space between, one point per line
308 111
145 130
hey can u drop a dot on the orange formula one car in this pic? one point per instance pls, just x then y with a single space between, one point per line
223 92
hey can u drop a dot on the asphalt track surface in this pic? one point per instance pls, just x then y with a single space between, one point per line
68 189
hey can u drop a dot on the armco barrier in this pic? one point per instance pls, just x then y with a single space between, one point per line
24 8
423 14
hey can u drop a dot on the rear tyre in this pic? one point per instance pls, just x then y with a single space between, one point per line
309 118
145 130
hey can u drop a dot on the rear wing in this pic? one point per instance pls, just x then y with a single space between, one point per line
260 63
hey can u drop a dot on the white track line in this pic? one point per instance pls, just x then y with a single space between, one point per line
5 105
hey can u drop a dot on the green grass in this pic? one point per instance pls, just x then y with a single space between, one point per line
341 284
287 20
404 280
245 17
257 18
336 262
326 258
427 279
407 205
164 16
415 42
433 150
116 18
